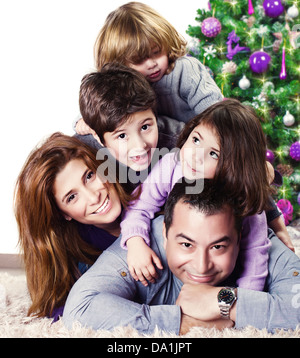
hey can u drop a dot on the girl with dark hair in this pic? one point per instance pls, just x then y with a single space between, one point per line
225 143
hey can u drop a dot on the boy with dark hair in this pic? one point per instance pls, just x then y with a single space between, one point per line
118 104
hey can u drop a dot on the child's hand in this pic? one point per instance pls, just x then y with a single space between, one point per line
83 129
285 238
271 172
140 259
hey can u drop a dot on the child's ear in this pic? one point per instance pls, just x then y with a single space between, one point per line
67 217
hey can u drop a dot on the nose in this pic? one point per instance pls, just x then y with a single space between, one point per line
94 191
138 143
151 63
202 263
93 196
198 155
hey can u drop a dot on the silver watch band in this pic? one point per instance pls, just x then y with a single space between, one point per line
224 309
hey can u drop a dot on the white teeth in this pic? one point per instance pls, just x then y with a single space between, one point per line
103 206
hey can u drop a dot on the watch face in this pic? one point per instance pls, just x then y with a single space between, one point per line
225 295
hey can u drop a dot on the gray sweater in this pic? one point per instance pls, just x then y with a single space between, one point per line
187 91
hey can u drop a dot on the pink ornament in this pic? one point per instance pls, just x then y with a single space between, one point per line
295 151
250 8
270 156
211 27
282 75
286 208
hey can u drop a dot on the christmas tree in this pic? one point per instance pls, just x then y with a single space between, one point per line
252 49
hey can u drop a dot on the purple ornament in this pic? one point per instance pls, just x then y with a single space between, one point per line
282 75
295 151
287 209
270 156
232 37
259 61
298 199
211 27
273 8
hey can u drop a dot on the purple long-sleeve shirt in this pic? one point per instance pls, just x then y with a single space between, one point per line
254 246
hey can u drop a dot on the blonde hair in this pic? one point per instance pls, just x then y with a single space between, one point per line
131 31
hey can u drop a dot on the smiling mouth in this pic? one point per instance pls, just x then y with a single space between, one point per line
103 206
201 279
140 159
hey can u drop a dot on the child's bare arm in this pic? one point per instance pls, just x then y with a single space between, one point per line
141 259
278 226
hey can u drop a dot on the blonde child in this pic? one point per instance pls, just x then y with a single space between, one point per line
225 142
137 36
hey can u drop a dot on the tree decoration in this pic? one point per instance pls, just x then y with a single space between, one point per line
211 27
210 51
232 37
229 67
282 75
295 151
288 119
286 208
250 8
273 8
244 83
270 156
293 12
259 61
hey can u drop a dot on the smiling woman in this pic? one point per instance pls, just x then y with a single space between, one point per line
66 214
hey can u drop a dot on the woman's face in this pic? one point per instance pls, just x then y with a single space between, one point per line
81 195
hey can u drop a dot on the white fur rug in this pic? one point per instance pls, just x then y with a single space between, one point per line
15 300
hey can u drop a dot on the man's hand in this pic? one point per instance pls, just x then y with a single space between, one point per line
199 301
199 308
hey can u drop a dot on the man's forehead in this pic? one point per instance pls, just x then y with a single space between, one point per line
193 222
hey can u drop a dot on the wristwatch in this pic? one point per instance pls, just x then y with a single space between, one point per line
226 298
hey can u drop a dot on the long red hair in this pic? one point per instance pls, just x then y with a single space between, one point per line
51 245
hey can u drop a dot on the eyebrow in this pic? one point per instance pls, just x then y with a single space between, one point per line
222 239
70 191
215 149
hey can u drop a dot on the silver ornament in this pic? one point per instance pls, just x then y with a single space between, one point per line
244 83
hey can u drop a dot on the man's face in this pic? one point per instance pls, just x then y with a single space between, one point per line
200 248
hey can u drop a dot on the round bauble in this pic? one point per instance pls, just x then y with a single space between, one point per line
293 12
273 8
288 119
295 151
259 61
270 156
211 27
244 83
